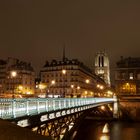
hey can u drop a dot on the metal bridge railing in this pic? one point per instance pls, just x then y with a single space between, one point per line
13 108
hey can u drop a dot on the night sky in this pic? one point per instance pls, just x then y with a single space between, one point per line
35 31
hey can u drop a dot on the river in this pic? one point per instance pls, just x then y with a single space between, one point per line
117 130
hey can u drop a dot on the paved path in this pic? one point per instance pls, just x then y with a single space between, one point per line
9 131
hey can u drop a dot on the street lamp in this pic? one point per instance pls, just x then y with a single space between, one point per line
13 74
64 73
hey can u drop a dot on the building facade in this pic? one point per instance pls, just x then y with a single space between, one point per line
127 76
3 69
69 78
17 77
102 67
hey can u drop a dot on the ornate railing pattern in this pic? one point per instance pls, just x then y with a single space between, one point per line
13 108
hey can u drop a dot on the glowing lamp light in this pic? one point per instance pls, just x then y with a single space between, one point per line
53 82
98 86
87 81
101 87
78 87
64 71
20 87
28 92
102 107
85 92
72 86
13 73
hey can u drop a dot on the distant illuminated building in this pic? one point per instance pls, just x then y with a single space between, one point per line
127 76
72 79
102 67
3 67
16 77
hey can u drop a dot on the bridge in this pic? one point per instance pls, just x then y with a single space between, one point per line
50 116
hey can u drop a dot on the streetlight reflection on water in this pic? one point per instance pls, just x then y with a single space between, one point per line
105 133
105 137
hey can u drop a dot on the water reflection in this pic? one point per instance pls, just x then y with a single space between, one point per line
106 128
93 130
105 133
105 137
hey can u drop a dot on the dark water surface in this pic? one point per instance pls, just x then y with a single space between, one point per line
118 130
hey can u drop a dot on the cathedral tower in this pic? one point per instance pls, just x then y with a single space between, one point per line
102 66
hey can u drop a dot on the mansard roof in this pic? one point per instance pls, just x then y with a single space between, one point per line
21 65
66 61
129 62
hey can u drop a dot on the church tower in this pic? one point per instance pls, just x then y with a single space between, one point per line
102 66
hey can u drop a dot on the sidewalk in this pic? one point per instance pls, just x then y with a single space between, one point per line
9 131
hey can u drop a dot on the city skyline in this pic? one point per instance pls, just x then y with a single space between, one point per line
35 32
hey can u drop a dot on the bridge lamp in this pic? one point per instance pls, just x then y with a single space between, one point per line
111 109
103 107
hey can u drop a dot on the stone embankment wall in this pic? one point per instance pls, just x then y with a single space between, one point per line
129 110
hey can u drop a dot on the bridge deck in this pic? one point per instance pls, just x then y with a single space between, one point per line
14 108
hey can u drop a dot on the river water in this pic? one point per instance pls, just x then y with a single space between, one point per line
117 130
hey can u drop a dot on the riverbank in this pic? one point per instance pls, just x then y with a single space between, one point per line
9 131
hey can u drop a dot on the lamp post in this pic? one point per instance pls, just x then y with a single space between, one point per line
13 75
64 73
